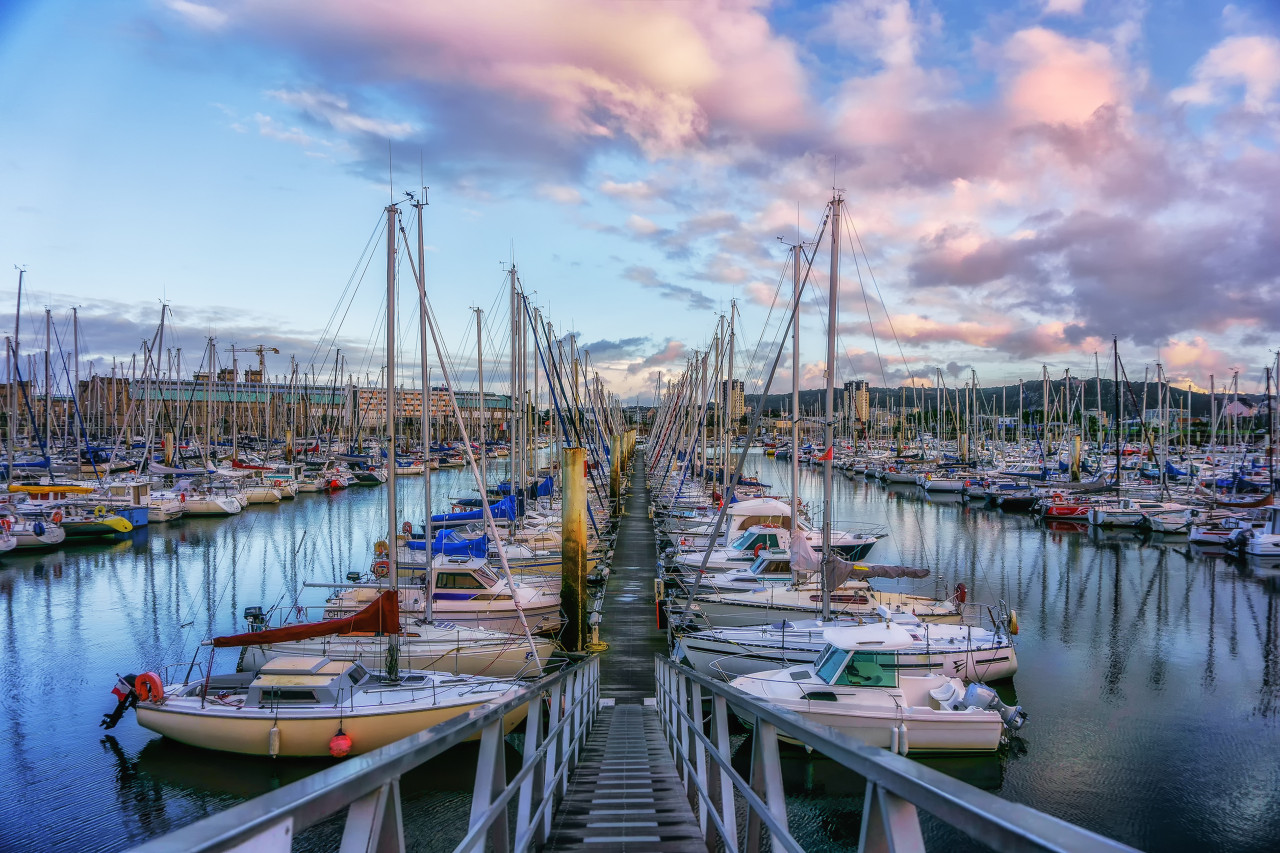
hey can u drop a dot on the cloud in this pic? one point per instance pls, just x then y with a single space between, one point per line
272 129
1063 7
648 277
334 111
1059 79
198 15
560 193
672 352
1251 62
636 190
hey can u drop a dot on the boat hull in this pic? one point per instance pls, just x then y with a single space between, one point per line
248 730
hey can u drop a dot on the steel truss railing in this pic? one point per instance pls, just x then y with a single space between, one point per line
897 787
561 710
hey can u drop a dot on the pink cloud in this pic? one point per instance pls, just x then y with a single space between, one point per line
662 75
1252 62
1058 79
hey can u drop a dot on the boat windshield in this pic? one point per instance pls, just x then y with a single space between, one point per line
487 575
830 663
743 542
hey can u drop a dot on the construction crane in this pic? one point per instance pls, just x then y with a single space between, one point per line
261 350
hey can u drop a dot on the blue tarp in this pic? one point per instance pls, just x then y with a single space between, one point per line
448 542
505 508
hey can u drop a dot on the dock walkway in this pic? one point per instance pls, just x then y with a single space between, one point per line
625 793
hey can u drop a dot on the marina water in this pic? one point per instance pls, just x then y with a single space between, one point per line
1150 670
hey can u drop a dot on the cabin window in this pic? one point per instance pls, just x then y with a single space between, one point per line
271 695
776 567
743 542
458 580
829 663
486 575
872 669
771 541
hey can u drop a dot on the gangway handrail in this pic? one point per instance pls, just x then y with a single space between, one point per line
896 786
565 704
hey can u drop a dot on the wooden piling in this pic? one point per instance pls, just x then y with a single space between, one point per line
615 474
573 547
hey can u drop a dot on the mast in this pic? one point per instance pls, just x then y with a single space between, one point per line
393 646
48 385
513 442
13 369
426 387
795 388
1115 351
828 465
484 473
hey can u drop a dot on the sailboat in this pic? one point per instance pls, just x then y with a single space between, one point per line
304 705
301 705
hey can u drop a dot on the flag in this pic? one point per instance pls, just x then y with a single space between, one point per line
827 455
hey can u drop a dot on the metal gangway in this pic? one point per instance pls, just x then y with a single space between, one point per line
597 775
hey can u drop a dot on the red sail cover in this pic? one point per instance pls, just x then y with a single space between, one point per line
382 616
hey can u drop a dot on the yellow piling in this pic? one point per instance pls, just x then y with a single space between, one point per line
573 547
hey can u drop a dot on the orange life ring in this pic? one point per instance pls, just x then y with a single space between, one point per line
759 548
381 568
277 483
149 687
56 518
407 528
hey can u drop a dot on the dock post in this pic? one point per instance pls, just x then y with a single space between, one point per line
288 445
1075 459
168 448
615 474
573 546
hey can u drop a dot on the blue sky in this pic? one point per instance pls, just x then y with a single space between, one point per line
1027 178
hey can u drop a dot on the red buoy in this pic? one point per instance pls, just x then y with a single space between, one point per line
339 745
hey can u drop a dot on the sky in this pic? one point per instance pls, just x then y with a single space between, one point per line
1022 181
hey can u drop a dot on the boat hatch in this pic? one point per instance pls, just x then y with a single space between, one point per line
283 695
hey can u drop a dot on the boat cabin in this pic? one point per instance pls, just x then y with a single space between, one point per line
772 566
762 536
303 680
862 655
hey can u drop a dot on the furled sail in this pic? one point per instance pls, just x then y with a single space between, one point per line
382 616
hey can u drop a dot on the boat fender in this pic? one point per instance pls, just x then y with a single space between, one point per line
126 698
56 518
962 593
893 739
381 568
99 511
340 744
38 528
1013 621
6 523
904 747
759 548
182 497
149 687
273 741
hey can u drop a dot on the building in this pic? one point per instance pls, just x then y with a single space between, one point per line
857 398
735 394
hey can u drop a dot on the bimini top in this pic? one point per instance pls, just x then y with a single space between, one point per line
887 635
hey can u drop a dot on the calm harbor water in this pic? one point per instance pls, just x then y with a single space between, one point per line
1151 672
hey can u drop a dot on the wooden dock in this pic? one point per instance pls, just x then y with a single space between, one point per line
625 793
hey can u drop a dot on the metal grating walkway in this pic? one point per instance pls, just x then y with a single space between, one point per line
625 793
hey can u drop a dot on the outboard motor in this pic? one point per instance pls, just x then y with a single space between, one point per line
981 696
126 698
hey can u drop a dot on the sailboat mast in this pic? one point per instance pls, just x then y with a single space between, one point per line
1115 353
795 388
426 386
484 472
393 648
828 466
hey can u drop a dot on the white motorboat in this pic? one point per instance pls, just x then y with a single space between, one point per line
1262 541
854 686
961 651
465 591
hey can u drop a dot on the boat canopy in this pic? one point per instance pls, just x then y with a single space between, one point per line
503 509
452 543
382 616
